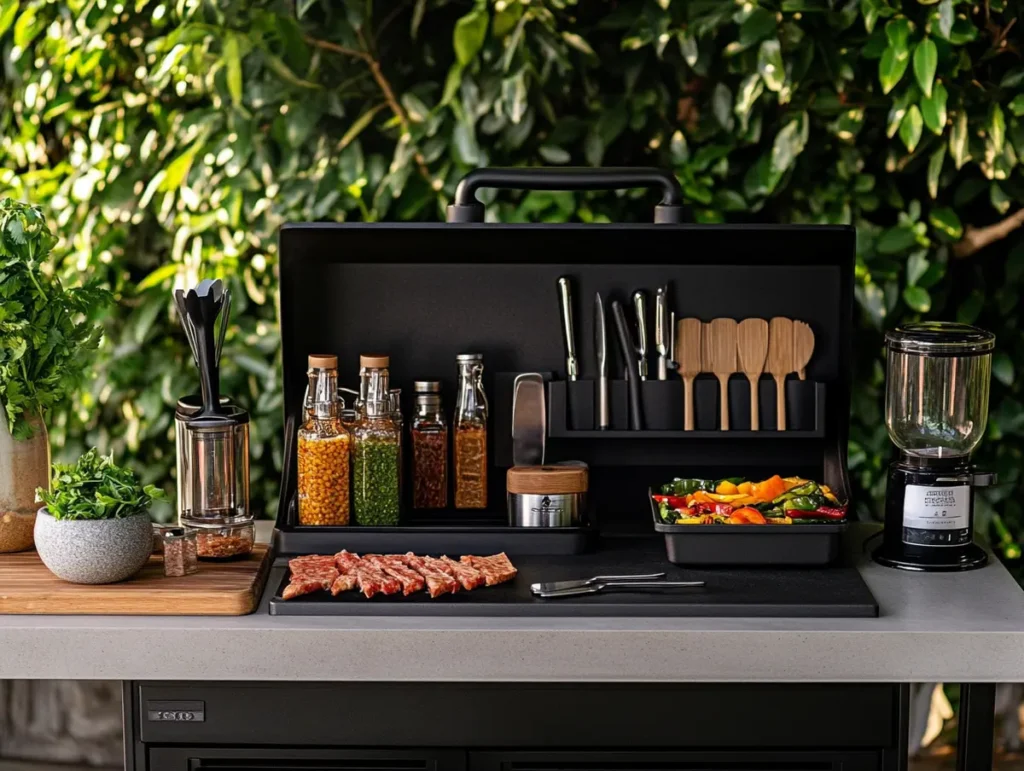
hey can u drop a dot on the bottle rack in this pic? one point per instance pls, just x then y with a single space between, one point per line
571 410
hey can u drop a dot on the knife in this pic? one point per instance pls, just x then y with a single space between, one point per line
529 420
634 586
557 586
568 336
636 412
640 306
661 331
601 352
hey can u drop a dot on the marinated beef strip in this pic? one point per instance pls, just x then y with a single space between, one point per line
370 579
299 565
343 583
468 576
496 569
438 581
394 566
309 574
298 586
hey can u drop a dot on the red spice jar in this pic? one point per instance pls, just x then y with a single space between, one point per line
429 439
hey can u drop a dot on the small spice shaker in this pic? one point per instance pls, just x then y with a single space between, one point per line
429 434
180 555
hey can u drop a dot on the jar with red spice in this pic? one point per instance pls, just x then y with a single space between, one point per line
429 439
470 427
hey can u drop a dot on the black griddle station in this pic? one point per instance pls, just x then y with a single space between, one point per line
424 293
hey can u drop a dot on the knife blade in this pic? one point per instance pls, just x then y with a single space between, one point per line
557 586
661 330
568 334
629 586
601 353
529 420
628 350
640 306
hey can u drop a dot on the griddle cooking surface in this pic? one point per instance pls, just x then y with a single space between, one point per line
832 592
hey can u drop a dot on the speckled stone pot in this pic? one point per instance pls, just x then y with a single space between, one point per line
94 551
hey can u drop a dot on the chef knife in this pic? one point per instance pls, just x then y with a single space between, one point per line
529 420
661 331
640 306
557 586
636 413
568 335
601 354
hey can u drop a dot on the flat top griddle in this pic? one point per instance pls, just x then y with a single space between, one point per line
831 592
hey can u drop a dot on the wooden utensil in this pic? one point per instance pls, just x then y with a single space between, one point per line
752 345
803 347
780 363
721 347
689 335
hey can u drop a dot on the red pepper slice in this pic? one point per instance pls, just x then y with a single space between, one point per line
673 501
822 512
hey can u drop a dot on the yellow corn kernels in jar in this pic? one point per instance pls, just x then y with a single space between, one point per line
324 479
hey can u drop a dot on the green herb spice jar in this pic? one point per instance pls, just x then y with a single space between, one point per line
375 490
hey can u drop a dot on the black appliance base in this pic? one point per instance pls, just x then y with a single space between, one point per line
834 592
970 557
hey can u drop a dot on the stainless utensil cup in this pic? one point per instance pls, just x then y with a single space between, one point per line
214 488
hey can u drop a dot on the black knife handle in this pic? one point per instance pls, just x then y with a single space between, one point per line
636 413
466 208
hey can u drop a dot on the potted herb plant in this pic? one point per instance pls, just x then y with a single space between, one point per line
44 330
95 527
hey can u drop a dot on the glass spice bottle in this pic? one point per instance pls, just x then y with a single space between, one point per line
429 437
375 498
395 411
470 428
374 381
323 450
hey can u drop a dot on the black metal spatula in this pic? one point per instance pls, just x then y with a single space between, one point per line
202 306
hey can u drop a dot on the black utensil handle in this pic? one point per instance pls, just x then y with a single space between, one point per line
636 413
466 208
286 467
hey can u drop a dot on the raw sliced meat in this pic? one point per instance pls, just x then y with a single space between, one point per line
392 565
370 579
497 569
343 583
468 576
299 565
438 581
300 586
347 561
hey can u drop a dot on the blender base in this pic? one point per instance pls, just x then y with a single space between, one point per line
969 557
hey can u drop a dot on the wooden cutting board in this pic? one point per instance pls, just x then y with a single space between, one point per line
218 589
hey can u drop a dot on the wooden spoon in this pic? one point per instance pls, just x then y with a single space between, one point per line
752 343
689 334
780 363
803 347
720 335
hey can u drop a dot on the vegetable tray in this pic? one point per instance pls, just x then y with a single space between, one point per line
777 545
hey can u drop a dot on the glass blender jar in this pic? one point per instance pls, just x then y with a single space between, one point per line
936 409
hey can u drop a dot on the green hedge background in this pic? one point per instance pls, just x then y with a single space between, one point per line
168 140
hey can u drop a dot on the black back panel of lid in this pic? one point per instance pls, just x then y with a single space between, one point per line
424 293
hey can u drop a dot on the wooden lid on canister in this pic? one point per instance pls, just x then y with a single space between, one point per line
547 480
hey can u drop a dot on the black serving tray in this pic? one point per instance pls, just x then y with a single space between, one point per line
808 592
774 545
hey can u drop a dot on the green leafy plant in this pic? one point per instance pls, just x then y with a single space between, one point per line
207 125
43 326
95 487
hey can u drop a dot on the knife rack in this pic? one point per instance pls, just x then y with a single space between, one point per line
424 293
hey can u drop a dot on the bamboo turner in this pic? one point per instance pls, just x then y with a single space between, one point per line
689 334
780 363
803 347
720 343
752 344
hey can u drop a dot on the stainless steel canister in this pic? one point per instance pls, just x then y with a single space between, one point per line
187 407
214 484
547 496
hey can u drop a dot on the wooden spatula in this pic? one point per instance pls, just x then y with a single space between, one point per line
688 354
803 347
721 348
780 363
752 343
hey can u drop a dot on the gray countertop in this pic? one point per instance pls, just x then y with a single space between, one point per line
932 627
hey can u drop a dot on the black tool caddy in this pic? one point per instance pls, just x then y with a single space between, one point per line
424 292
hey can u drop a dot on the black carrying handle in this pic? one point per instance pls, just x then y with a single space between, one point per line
466 207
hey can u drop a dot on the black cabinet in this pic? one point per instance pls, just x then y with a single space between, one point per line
514 727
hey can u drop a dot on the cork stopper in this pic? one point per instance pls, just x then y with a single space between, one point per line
547 480
322 361
374 361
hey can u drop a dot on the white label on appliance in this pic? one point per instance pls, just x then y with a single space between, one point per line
937 508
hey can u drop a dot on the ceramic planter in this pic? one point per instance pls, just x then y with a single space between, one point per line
24 466
94 551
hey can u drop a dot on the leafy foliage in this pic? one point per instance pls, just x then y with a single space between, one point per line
95 487
172 139
43 332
